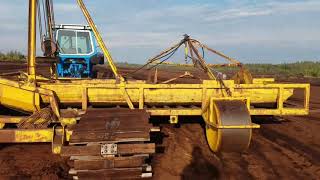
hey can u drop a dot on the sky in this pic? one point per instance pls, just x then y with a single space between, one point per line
252 31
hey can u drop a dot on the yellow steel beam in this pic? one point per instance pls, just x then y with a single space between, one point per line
252 126
280 112
180 112
162 94
262 80
17 119
25 135
32 30
140 94
31 135
11 119
99 39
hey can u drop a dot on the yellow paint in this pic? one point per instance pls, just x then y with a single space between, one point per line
68 134
56 149
141 94
11 120
262 80
174 119
32 40
31 136
211 116
155 93
13 94
178 111
19 97
68 121
27 96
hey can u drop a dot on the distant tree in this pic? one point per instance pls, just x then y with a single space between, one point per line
12 56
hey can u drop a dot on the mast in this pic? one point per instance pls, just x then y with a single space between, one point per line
32 30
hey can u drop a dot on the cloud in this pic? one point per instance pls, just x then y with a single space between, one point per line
212 13
143 27
264 9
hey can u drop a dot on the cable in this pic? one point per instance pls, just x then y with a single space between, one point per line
39 21
202 52
52 13
172 53
45 18
169 54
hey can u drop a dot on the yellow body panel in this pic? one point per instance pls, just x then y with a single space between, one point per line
160 94
262 80
19 98
106 92
187 99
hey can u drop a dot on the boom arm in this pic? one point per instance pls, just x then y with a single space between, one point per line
32 40
99 40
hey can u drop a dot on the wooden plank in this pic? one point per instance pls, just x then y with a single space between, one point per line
123 149
115 113
115 162
149 148
111 115
121 173
109 137
92 158
111 125
106 122
122 130
80 150
125 118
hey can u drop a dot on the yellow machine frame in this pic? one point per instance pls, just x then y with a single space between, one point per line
171 100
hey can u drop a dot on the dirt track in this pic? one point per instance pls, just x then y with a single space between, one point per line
285 148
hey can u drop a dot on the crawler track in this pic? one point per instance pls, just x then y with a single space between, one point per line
111 144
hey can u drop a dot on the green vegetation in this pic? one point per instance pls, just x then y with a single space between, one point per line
15 56
304 68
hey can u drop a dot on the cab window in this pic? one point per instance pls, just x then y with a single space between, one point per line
74 42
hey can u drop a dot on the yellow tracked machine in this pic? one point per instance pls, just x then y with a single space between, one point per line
103 124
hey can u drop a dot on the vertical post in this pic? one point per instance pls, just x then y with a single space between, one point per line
155 78
84 98
280 99
32 30
141 98
307 98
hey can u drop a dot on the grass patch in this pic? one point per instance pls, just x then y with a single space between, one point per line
302 69
14 56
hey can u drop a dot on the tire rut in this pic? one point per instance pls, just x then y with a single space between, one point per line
303 160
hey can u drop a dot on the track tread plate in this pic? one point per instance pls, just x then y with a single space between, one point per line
110 137
115 162
129 129
116 173
123 149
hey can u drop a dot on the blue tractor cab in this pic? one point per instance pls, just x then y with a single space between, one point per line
77 51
